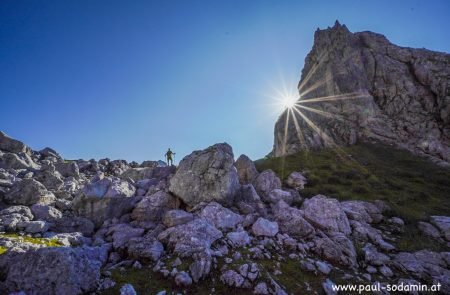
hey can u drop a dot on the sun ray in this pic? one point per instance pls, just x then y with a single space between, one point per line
337 97
323 113
313 126
312 71
314 87
299 132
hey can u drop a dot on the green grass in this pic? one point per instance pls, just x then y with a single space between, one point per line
145 281
412 186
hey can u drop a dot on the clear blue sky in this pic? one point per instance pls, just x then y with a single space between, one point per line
128 79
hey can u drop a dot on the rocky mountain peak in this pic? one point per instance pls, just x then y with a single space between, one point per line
360 86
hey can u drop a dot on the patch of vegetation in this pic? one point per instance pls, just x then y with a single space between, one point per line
145 281
412 186
38 241
3 250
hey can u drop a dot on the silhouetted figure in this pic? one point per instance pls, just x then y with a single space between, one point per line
169 157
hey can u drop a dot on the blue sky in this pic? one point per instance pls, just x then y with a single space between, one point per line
128 79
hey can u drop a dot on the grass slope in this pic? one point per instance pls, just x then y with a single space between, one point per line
413 187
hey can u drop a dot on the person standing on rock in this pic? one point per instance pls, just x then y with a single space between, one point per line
169 157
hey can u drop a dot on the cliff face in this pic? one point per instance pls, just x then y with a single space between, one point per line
359 86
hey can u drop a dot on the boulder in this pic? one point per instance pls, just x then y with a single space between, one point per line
326 214
49 152
427 266
177 217
429 230
12 216
69 224
362 211
239 238
207 175
221 217
159 172
53 270
104 198
336 248
29 192
34 227
246 169
153 207
296 180
265 183
373 257
264 227
45 212
11 145
146 248
68 169
186 239
127 289
51 180
291 221
183 279
249 202
17 161
443 224
279 195
122 233
232 278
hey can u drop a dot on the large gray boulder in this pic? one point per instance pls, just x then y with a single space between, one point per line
426 266
51 180
146 248
17 161
336 248
189 238
104 198
68 168
246 169
153 207
11 145
12 217
362 211
222 218
291 221
265 228
207 175
266 182
28 192
176 217
45 212
47 271
248 201
443 224
326 214
296 180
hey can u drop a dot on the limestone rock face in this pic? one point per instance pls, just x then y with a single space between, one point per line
207 175
384 92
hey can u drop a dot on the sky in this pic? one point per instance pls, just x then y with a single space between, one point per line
128 79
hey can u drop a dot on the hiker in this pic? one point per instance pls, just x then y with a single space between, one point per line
169 158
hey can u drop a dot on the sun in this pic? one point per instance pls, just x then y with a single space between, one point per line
289 101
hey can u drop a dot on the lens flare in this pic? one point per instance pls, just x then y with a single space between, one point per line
289 101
